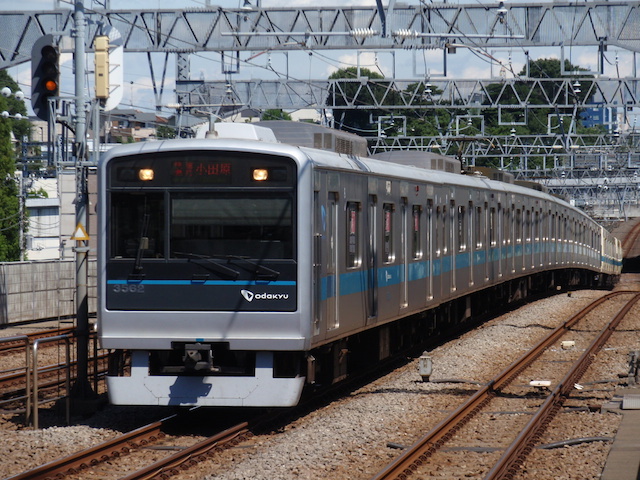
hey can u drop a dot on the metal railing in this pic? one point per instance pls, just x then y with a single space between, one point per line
32 371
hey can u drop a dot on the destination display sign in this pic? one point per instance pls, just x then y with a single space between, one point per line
200 171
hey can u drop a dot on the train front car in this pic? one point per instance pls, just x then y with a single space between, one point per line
198 261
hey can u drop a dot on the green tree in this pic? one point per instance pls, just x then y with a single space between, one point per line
427 122
540 94
275 114
10 221
536 93
362 118
165 131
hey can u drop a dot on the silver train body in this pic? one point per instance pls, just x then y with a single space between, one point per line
235 272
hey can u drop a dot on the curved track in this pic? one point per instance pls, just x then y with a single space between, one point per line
630 241
415 456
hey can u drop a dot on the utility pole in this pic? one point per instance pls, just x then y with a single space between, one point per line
81 391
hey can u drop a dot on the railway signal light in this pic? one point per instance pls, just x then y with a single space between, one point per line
45 75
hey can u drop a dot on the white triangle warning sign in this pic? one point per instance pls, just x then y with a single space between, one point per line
80 233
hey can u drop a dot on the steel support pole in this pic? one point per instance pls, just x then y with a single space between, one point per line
82 388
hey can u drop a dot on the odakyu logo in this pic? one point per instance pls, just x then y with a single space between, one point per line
249 296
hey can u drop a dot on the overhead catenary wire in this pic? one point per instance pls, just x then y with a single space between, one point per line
171 40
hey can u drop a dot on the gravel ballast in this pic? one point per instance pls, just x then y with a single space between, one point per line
352 438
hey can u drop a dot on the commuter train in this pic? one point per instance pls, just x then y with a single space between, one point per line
235 272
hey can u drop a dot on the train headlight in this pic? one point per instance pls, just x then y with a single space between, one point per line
145 174
260 174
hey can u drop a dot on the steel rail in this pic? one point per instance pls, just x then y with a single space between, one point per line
75 463
416 454
16 378
168 465
83 459
507 466
630 239
8 344
14 387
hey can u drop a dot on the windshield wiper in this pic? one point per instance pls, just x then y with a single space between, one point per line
143 244
258 269
218 267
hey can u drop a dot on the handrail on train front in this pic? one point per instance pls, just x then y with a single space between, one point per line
33 370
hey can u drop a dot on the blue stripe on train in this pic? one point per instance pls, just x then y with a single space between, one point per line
356 282
207 282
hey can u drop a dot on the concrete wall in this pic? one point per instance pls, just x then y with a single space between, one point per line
41 290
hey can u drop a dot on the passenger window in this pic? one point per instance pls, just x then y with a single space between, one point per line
354 259
506 226
479 228
387 240
462 229
492 227
437 233
416 247
445 232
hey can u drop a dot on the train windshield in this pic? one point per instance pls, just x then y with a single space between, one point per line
256 226
137 225
207 204
213 224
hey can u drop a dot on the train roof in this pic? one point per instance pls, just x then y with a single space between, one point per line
421 159
332 160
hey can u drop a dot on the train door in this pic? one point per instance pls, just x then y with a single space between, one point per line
437 251
404 252
537 257
484 236
389 272
512 238
453 241
470 242
319 216
506 238
554 238
372 261
479 246
430 248
563 238
546 228
441 262
464 270
518 240
417 254
333 279
493 249
529 237
558 246
500 239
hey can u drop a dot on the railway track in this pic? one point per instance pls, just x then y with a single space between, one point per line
192 453
13 385
630 240
10 346
415 458
120 449
13 378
